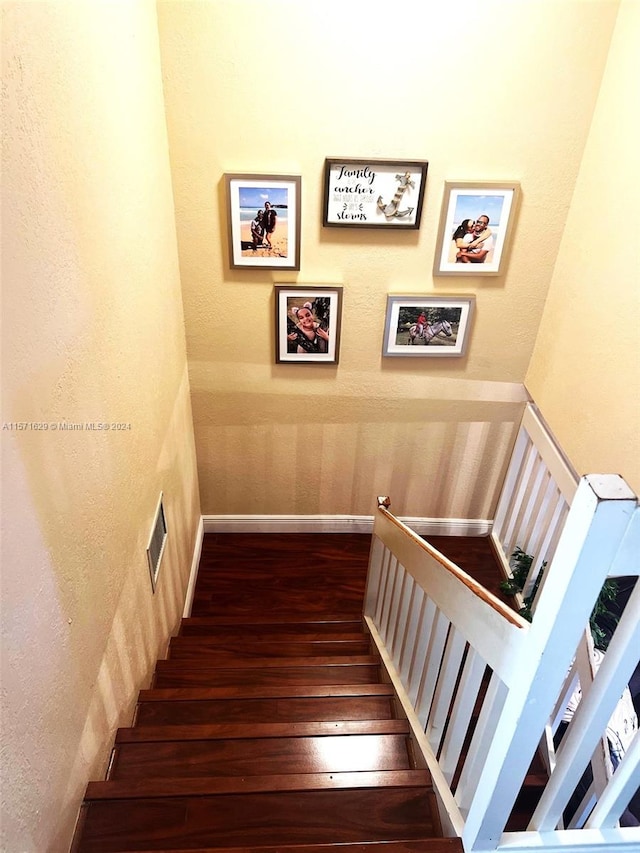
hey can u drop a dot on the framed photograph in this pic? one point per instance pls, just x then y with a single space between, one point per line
476 228
308 324
373 193
428 326
264 221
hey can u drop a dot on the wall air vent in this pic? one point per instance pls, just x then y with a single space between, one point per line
155 549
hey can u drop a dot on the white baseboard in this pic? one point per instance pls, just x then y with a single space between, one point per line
340 524
193 575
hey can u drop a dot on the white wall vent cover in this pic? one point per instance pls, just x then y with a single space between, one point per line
155 549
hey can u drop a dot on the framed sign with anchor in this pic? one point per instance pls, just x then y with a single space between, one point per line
373 193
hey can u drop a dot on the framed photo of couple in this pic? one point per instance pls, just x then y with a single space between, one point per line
307 324
264 221
477 222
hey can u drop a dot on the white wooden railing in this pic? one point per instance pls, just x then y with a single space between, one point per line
535 498
446 643
534 504
480 685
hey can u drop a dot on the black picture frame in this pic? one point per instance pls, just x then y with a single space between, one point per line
386 194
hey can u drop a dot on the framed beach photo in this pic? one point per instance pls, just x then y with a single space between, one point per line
373 193
264 221
476 227
307 324
427 326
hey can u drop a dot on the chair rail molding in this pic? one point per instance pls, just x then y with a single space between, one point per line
340 524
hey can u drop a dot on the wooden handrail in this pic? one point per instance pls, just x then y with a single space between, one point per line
384 502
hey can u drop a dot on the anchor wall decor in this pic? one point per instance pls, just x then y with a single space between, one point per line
390 210
374 193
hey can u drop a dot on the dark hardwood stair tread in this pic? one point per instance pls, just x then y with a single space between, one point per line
229 627
129 789
233 731
263 818
193 676
215 606
200 648
269 619
206 662
265 692
280 637
535 780
420 845
260 756
274 710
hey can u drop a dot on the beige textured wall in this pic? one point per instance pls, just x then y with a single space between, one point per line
585 370
92 332
497 91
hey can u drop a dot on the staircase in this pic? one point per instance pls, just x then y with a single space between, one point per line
269 725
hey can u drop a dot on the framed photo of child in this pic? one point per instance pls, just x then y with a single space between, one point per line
263 221
428 326
307 324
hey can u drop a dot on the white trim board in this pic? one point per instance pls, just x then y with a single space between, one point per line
195 565
340 524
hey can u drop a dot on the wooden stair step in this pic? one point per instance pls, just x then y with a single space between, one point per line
201 786
262 566
265 692
213 607
205 647
274 662
260 757
192 674
229 627
292 580
421 845
232 731
256 572
526 801
174 710
535 780
304 709
317 817
240 642
294 585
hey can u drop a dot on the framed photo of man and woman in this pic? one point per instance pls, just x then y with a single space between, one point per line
307 324
476 228
264 221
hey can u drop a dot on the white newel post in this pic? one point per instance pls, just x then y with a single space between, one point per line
601 511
